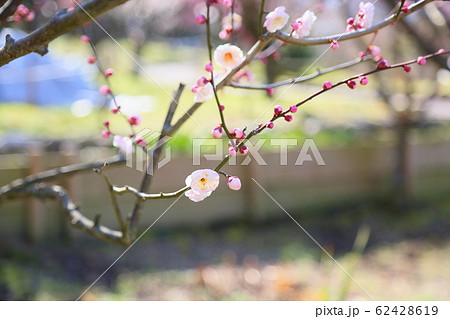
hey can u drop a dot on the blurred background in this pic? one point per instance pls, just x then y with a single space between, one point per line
380 205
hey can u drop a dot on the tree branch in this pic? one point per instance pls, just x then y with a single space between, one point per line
61 22
300 78
75 217
349 35
54 173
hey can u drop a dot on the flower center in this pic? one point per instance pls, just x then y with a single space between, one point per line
228 57
203 180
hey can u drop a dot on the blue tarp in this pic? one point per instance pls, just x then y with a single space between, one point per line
46 80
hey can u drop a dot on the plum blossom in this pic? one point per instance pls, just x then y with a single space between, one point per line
276 19
302 26
202 183
204 93
196 196
228 56
124 144
364 17
203 180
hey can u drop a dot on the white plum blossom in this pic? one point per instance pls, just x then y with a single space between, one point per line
203 180
196 196
124 144
228 56
202 183
204 93
304 24
276 19
364 17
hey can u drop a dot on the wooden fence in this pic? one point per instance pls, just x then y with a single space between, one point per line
351 174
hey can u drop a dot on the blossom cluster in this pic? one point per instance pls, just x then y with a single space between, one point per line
203 182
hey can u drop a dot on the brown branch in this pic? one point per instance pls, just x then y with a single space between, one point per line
54 173
300 78
349 35
61 22
133 217
75 217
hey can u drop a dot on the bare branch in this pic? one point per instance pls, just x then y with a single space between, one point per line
76 218
54 173
349 35
61 22
300 78
144 196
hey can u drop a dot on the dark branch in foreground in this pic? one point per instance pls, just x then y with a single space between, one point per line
73 214
61 22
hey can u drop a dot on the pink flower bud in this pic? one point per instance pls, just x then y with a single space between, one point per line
109 72
270 91
30 16
194 88
200 19
202 81
363 80
288 117
224 34
228 3
106 123
441 51
362 54
407 68
405 8
334 45
232 151
295 25
277 110
269 125
221 107
421 60
293 108
134 120
106 133
105 90
91 60
238 133
327 85
374 51
217 132
383 64
140 141
351 84
209 67
350 21
84 38
243 150
234 183
115 109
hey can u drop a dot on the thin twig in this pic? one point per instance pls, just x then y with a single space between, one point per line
299 79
